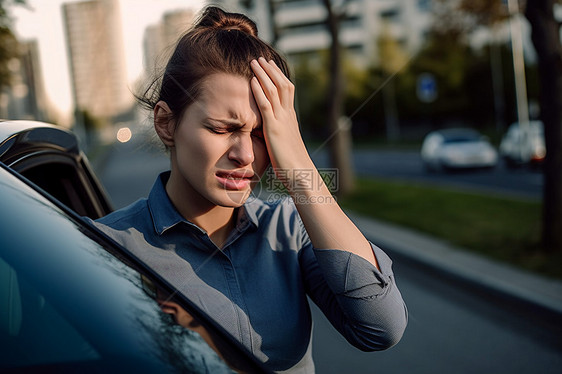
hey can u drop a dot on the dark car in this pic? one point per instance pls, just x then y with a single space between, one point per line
71 299
50 157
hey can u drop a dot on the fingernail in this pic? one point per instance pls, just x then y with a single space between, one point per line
255 62
262 59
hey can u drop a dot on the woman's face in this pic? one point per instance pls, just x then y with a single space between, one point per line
219 151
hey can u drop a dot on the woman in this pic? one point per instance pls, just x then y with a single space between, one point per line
225 111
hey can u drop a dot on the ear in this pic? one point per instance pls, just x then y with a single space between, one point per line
163 123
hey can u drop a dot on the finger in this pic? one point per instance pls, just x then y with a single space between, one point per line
262 101
275 74
285 87
267 85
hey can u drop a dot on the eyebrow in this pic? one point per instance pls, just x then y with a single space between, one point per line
232 123
228 122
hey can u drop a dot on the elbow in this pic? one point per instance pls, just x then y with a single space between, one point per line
379 342
383 336
395 328
391 336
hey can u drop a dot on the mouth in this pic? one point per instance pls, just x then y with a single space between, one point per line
235 179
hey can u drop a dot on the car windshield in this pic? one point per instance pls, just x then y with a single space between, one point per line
461 139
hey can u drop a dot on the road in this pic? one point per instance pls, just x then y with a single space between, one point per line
452 328
407 166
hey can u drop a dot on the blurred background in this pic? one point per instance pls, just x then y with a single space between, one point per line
376 81
442 117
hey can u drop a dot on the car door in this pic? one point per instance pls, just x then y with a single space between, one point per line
50 157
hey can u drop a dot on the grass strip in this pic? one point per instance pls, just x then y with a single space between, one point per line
501 228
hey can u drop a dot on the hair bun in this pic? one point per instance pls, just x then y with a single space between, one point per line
218 19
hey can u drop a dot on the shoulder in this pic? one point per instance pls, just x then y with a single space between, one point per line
278 218
282 209
128 225
125 218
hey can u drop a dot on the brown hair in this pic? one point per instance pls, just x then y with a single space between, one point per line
219 42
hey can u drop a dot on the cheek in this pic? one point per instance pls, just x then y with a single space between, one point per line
201 148
261 157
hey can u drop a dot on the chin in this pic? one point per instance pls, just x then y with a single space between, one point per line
233 199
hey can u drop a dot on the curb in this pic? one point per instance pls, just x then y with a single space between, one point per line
514 287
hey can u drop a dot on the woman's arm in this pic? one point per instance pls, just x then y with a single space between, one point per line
327 225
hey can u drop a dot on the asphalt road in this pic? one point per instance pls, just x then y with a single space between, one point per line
452 328
407 166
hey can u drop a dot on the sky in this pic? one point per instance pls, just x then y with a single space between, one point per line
42 20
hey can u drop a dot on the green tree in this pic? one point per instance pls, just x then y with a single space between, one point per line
392 59
340 137
310 79
545 34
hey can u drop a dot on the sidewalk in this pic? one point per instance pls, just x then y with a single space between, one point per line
521 288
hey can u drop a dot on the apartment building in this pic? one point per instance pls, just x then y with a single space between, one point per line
26 97
160 39
97 61
298 27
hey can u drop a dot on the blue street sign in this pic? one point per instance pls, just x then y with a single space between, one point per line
426 88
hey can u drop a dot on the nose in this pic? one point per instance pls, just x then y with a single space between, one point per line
242 151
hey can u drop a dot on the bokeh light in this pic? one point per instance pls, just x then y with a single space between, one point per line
124 134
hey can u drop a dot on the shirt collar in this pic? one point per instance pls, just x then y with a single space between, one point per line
248 212
247 215
165 216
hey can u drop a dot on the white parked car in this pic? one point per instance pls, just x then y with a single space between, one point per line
517 149
457 148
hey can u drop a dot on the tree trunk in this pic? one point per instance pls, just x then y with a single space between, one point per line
340 143
546 39
272 9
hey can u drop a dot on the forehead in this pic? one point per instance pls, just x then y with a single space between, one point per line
222 88
228 96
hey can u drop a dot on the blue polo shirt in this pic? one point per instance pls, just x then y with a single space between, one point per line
256 286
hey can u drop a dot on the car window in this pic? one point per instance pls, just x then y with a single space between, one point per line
42 329
62 181
72 301
66 180
461 139
32 332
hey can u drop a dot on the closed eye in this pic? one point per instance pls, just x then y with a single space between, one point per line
218 130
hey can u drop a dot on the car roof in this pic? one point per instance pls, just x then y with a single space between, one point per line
458 132
35 134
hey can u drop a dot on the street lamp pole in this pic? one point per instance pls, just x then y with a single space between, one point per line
519 72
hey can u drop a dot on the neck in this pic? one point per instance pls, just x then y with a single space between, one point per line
217 221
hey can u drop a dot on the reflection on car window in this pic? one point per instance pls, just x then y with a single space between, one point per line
186 326
32 332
